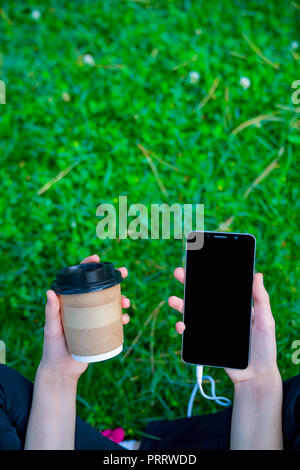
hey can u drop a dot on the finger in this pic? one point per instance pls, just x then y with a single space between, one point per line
179 274
123 271
53 324
260 295
180 327
91 259
262 307
125 302
125 318
176 302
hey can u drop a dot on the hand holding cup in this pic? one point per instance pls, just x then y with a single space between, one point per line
56 356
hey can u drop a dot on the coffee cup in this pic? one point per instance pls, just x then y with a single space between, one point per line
90 298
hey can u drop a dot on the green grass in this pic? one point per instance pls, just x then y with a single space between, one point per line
146 100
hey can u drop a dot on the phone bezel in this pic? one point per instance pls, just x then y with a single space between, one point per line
250 328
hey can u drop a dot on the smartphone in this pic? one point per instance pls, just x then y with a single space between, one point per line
218 299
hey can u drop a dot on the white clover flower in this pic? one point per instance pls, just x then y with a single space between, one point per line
194 77
245 83
35 14
66 96
295 45
89 59
73 224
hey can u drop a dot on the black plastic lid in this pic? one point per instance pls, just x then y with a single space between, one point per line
86 277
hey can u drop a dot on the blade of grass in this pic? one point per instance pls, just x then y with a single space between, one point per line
84 402
258 51
154 170
152 333
210 93
224 226
227 114
146 2
265 173
149 436
111 66
254 121
163 162
238 55
184 64
136 339
293 109
5 17
57 178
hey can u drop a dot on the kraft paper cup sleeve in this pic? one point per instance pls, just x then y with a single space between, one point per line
91 317
93 322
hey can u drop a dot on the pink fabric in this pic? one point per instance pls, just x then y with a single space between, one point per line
116 435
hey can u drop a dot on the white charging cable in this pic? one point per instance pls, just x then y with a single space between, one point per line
223 401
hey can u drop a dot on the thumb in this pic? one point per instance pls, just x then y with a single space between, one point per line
53 325
262 308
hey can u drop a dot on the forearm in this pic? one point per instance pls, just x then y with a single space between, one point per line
52 418
257 414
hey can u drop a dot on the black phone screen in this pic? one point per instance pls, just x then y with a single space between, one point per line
218 300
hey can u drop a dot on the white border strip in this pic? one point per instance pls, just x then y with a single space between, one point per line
99 357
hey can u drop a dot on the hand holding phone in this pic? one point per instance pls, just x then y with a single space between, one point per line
262 363
218 321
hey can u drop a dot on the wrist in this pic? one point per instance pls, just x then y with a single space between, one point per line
257 412
54 378
260 383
